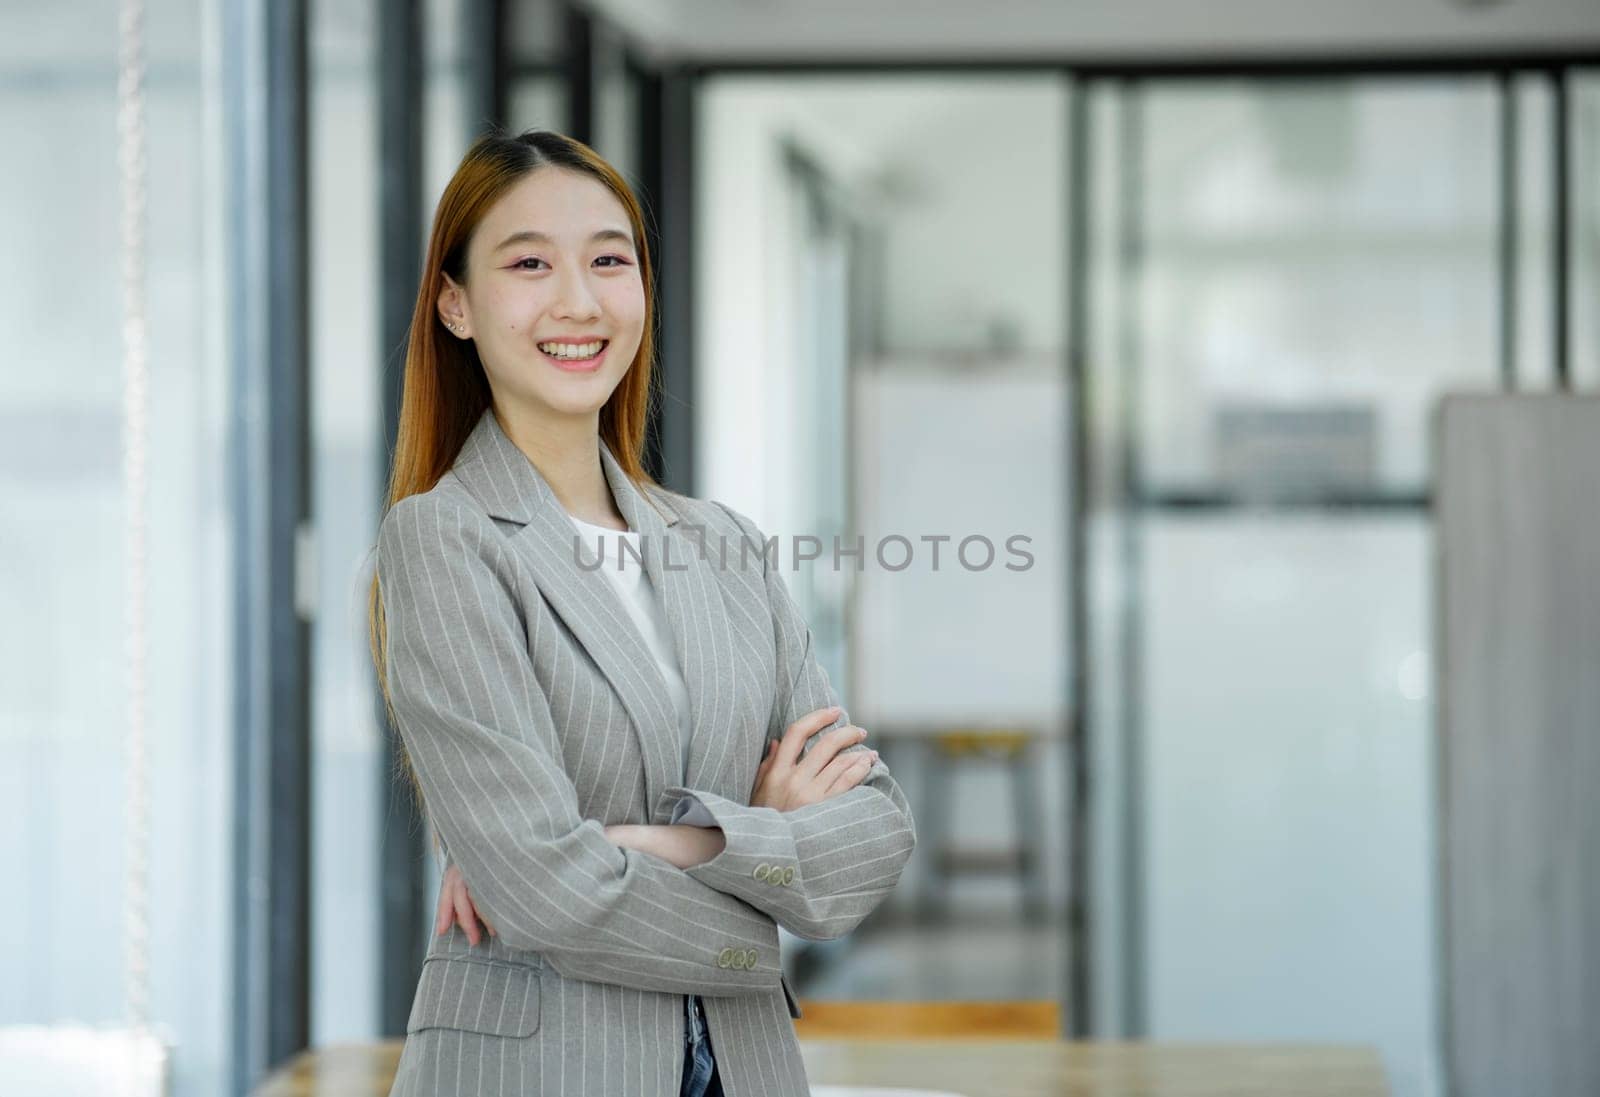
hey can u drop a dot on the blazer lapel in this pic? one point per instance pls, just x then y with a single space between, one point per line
511 487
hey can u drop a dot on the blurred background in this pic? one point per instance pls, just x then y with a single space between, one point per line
1170 289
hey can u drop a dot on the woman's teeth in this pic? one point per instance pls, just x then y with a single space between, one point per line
572 350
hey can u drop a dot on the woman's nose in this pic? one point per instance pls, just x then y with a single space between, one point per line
574 299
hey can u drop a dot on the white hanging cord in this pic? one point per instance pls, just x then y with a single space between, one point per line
135 432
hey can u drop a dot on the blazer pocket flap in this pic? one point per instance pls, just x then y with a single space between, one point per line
486 996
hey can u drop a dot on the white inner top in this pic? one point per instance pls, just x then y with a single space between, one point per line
622 568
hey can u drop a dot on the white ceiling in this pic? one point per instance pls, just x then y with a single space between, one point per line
1087 29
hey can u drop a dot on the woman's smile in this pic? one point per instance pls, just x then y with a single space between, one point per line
564 356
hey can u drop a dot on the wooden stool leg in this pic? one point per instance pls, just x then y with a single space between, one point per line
931 824
1030 831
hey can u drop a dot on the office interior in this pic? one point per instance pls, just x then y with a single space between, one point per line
1180 295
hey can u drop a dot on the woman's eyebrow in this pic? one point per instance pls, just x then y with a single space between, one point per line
534 236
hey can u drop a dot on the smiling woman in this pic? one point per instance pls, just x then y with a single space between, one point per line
637 778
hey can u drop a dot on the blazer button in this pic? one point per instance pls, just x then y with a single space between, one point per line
788 876
763 870
725 957
750 959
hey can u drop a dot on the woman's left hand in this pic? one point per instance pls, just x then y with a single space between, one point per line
455 902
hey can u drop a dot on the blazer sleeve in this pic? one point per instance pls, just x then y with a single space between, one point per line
820 869
479 731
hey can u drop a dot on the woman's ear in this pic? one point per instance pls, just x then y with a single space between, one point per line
452 308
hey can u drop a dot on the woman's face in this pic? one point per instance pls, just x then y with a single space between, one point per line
552 261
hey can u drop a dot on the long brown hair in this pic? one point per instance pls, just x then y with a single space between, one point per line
445 390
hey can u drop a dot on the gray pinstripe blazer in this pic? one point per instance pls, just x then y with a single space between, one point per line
534 715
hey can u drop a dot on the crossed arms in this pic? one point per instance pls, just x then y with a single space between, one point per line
460 680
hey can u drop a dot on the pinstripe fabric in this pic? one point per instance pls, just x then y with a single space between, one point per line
535 715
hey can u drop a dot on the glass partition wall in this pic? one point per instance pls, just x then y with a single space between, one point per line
1282 275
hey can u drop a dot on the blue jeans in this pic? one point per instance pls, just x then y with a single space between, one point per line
700 1078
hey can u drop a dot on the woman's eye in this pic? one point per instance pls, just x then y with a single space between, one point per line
520 264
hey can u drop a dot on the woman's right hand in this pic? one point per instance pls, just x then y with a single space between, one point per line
456 905
787 781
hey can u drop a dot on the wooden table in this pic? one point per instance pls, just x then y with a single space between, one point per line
975 1068
1056 1068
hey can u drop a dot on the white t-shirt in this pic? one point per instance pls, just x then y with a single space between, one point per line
643 605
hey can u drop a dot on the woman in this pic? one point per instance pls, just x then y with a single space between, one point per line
636 775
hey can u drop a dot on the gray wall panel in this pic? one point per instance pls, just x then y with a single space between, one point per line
1517 522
